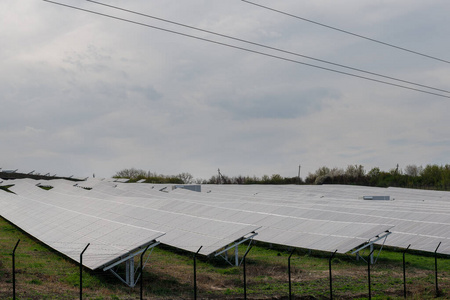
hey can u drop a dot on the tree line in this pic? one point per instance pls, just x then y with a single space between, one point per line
135 175
435 177
412 176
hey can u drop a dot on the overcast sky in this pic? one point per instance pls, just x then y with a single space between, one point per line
82 94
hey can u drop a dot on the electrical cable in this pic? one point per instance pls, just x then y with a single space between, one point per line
347 32
267 47
246 49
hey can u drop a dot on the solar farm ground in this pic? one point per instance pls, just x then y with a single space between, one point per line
42 273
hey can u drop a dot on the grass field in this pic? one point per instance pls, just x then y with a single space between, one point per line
42 273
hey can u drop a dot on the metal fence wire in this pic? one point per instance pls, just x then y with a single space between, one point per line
40 272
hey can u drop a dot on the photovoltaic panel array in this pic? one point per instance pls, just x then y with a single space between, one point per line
326 218
92 208
69 231
420 218
277 223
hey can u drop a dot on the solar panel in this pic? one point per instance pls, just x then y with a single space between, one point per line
202 205
105 201
69 232
420 218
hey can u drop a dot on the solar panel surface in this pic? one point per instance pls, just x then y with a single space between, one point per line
107 203
69 231
420 218
279 224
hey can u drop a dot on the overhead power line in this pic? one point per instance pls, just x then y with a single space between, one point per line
347 32
267 47
248 50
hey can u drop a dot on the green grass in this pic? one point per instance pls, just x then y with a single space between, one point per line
44 187
6 188
42 273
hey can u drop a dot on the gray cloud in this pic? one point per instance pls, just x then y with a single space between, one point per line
81 94
273 105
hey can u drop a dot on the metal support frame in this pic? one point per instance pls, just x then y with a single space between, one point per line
130 277
236 250
370 244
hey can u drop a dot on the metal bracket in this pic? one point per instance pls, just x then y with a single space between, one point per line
224 252
130 273
370 243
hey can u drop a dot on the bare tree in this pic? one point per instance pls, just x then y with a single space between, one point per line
413 170
130 173
187 178
335 172
322 171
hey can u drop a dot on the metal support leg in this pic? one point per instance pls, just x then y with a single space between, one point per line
129 278
129 272
370 244
132 271
224 252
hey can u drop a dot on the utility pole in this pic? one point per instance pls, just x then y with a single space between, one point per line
299 180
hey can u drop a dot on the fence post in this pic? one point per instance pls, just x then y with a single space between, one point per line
14 269
435 269
142 273
195 272
289 271
81 271
404 271
331 278
245 278
368 273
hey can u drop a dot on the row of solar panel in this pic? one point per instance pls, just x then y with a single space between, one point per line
117 217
